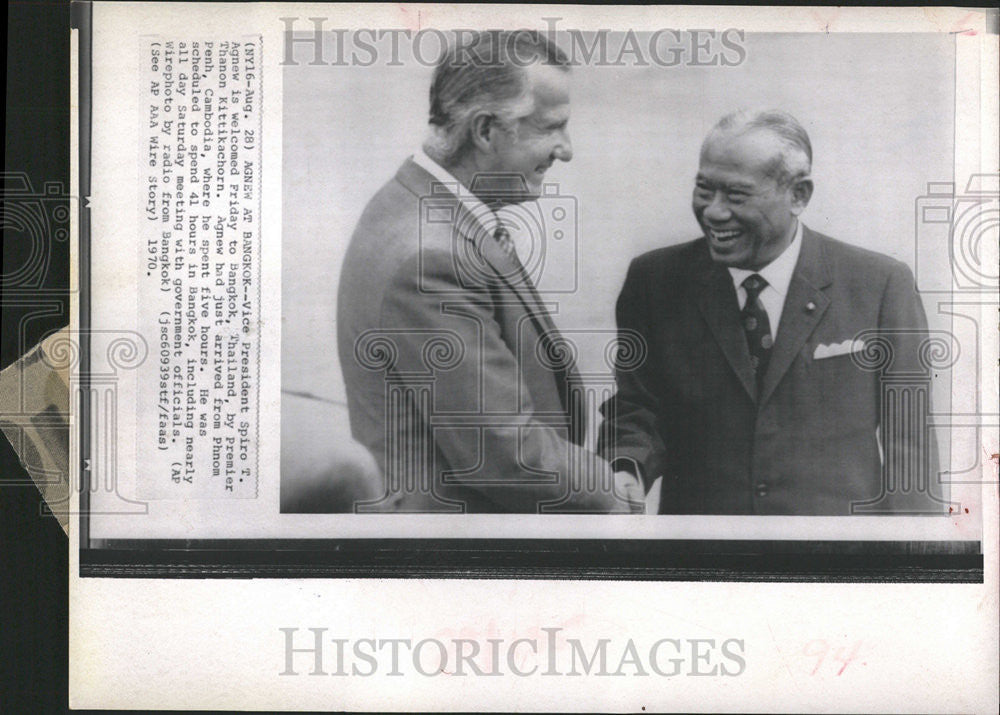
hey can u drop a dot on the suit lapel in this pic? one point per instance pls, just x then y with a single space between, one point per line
469 232
512 275
515 278
804 307
466 226
720 309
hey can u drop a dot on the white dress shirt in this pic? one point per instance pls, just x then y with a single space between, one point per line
778 274
490 220
477 208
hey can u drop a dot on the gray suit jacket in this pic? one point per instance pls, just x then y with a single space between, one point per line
808 443
452 366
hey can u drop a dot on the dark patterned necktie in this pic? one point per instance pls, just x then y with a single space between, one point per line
756 326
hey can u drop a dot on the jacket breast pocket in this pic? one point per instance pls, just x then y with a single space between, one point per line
845 392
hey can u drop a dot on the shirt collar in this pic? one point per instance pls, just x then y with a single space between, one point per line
476 207
777 273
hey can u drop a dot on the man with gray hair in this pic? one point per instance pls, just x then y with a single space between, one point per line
457 380
760 394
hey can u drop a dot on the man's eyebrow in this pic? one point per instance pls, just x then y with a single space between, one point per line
723 184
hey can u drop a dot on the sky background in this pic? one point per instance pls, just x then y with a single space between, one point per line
878 108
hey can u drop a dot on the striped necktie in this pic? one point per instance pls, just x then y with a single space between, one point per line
502 237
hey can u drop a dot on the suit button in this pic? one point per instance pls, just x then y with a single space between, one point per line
761 489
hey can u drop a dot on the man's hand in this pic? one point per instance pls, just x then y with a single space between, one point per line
628 486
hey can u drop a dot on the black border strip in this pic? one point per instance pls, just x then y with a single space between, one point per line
81 13
576 559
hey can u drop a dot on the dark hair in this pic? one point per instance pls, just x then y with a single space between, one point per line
795 160
483 70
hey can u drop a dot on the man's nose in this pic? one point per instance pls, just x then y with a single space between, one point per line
717 209
564 149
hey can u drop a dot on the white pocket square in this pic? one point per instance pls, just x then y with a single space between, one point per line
828 350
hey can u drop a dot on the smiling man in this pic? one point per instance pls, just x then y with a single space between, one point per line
754 398
450 358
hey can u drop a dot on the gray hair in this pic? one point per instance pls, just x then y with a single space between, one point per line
795 160
485 72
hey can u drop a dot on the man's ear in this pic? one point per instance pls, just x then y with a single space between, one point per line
802 191
484 125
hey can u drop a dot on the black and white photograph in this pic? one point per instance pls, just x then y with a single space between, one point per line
605 273
673 289
437 349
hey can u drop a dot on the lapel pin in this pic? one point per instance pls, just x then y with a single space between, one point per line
810 307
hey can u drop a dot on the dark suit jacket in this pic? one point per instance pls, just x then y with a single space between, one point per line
451 365
809 442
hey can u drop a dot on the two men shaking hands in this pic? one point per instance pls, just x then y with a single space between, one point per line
751 395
